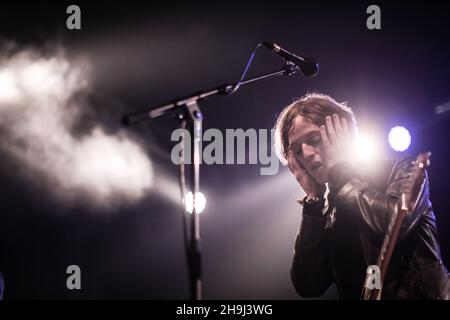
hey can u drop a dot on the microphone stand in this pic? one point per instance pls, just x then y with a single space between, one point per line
189 113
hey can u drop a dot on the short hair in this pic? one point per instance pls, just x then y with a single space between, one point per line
314 108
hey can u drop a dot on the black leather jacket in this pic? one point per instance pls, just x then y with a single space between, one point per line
339 245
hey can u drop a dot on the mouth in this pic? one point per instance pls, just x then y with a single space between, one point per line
315 165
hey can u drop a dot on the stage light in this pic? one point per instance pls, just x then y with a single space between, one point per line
399 138
366 148
200 202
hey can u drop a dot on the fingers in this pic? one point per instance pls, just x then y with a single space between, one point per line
337 125
293 163
344 124
335 130
331 132
306 182
324 137
295 166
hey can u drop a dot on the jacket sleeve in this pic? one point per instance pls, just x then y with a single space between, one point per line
311 272
375 207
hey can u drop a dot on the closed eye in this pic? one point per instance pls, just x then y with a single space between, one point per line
315 140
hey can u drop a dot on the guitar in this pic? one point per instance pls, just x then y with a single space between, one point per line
406 204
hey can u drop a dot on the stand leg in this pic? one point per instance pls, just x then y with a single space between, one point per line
195 263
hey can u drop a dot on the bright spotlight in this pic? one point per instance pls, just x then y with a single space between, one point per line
366 148
399 138
200 202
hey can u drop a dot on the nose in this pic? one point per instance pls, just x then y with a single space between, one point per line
308 152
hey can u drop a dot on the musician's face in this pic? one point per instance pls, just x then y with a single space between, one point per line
305 141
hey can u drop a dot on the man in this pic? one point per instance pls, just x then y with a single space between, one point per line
347 209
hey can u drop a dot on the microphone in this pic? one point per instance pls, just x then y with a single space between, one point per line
307 66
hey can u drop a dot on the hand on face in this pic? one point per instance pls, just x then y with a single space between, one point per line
337 140
308 184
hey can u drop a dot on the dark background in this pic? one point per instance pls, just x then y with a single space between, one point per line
144 54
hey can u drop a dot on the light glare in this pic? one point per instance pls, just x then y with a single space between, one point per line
399 138
200 202
366 148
